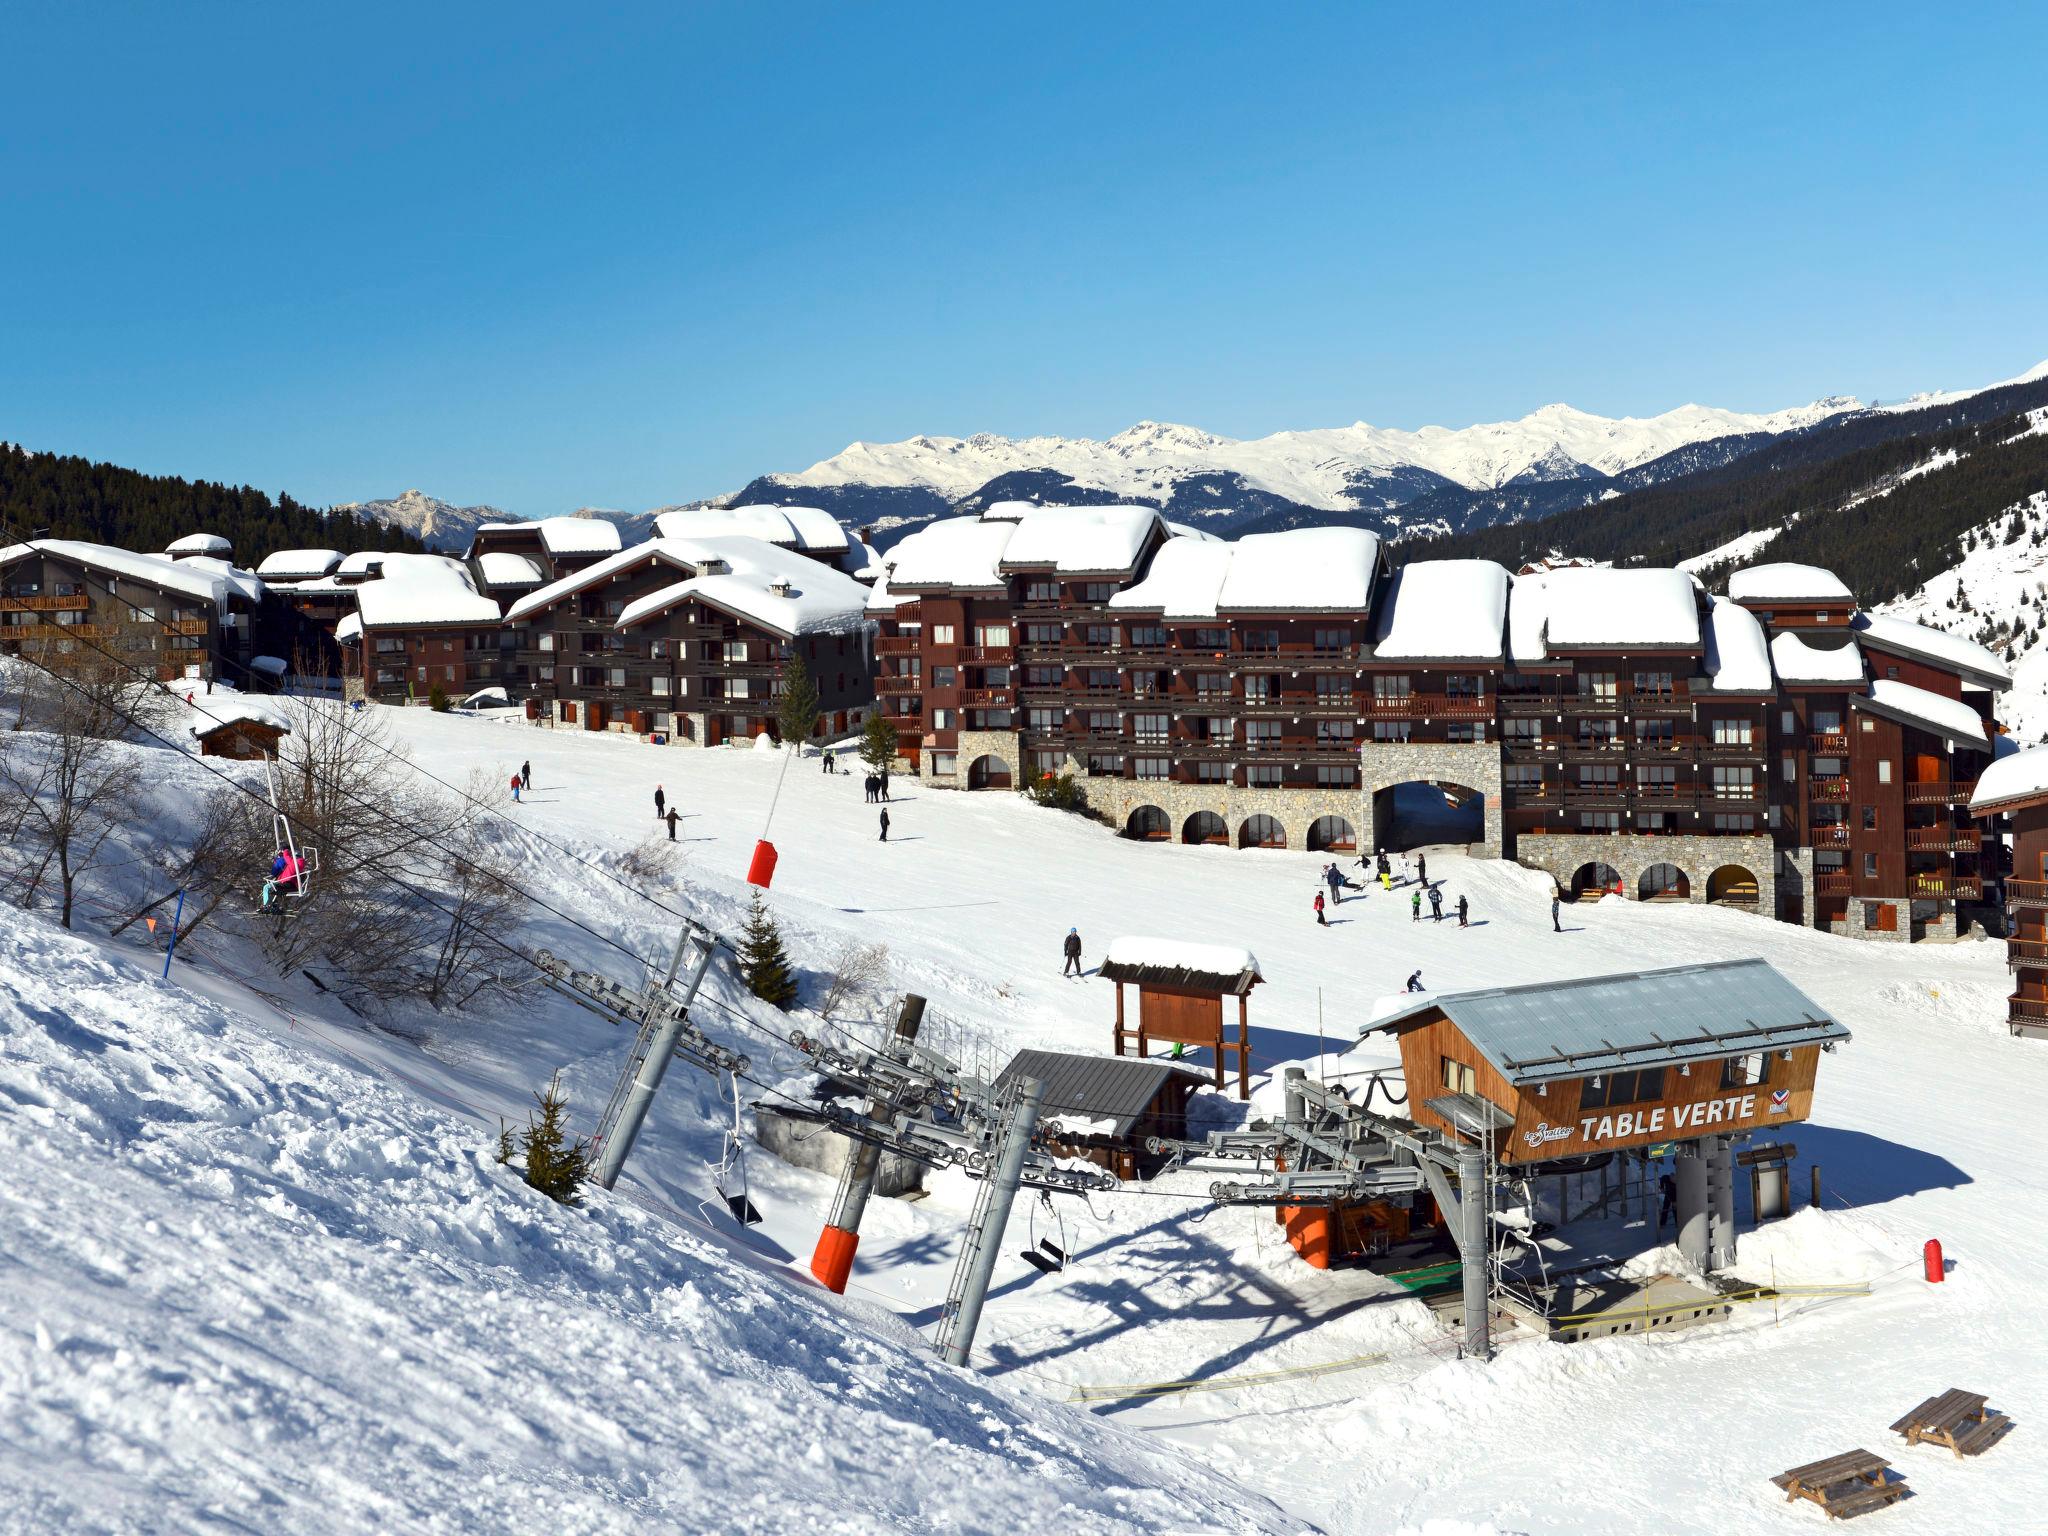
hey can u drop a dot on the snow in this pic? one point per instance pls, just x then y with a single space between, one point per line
263 1272
504 568
956 552
1936 645
1451 610
1936 712
814 598
1741 547
350 627
810 529
200 578
1786 582
1209 959
2014 777
276 666
1181 582
212 711
423 589
1600 606
199 544
298 564
361 563
566 535
1082 541
1303 569
243 584
1736 661
1797 661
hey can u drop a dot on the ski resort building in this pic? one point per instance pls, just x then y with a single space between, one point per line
2012 796
1620 729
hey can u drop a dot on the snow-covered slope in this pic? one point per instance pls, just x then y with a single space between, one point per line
437 524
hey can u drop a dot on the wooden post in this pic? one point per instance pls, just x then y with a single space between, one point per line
1119 1018
1816 1186
1244 1050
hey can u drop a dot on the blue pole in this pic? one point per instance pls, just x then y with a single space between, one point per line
172 947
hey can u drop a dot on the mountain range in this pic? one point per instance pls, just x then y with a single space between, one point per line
1434 481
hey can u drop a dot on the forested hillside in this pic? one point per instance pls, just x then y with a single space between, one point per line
64 497
1848 496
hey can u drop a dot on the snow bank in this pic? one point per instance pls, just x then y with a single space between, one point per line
1451 610
1935 645
1081 541
1798 662
1786 581
298 564
1210 959
1182 581
1314 569
1933 711
2018 776
1736 660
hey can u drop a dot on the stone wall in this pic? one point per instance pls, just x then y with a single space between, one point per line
1007 745
1295 809
1560 855
1465 765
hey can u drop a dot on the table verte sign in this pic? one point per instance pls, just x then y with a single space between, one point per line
1677 1120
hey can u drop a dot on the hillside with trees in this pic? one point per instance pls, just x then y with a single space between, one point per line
62 496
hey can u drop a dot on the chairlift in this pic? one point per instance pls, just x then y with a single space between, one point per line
292 867
731 1178
1044 1255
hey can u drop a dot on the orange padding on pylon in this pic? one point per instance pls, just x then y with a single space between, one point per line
1308 1229
833 1261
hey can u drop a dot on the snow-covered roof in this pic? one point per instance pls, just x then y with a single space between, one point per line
1179 954
781 591
1934 712
1082 541
1798 662
1785 582
193 578
2014 778
1182 582
361 563
957 552
670 550
199 544
507 568
810 529
1938 646
216 710
241 583
1449 610
1736 660
276 666
1188 531
423 589
350 627
1317 570
298 564
565 535
863 562
884 601
1600 606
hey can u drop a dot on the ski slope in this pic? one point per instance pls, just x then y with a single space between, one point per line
1919 1131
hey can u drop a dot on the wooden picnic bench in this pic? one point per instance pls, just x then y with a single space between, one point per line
1956 1419
1849 1484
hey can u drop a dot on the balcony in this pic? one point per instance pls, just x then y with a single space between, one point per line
2032 1011
897 645
2026 893
1828 743
985 698
1937 887
1425 706
1833 884
1939 792
1828 836
1596 794
46 603
67 631
988 655
2032 953
1942 839
1827 791
1731 752
1530 703
1659 704
1599 751
1730 794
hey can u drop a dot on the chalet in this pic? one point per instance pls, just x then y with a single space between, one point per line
69 602
1102 1109
1181 988
1545 1076
2012 794
556 546
420 622
809 531
231 728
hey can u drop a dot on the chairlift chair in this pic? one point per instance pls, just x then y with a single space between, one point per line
1043 1254
305 862
731 1177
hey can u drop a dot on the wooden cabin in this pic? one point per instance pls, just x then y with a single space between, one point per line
1102 1109
1563 1069
228 730
2013 796
1181 988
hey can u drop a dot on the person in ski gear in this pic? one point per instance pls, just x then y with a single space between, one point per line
1386 882
885 824
873 786
660 802
1415 906
672 816
885 784
1334 879
825 761
1415 982
269 893
1072 949
1319 910
1461 913
1422 868
1385 867
285 871
1436 904
1555 925
526 775
515 789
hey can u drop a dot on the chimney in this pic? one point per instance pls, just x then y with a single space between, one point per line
780 588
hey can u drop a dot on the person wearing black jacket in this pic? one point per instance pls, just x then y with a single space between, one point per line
1073 953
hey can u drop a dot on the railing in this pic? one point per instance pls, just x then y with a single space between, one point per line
1658 704
2026 893
2028 952
1828 743
987 655
896 645
1426 706
1829 837
64 632
1828 791
1938 792
1831 885
984 698
46 603
1731 751
2031 1009
1936 839
1930 885
1734 793
1596 794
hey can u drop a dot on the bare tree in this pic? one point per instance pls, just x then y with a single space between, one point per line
855 977
66 782
478 901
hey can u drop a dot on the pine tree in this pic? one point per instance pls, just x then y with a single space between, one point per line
437 699
878 743
556 1165
764 964
799 710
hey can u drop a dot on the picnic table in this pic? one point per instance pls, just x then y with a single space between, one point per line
1849 1484
1956 1419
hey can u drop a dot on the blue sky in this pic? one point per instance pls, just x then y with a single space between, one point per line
512 255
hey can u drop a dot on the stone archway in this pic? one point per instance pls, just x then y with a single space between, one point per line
1206 827
1733 884
1261 832
1663 882
1424 812
1332 834
1594 879
988 772
1148 824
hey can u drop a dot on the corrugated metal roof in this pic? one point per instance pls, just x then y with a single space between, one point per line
1548 1031
1101 1087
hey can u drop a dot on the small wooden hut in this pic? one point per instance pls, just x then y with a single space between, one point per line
1103 1109
1181 988
226 730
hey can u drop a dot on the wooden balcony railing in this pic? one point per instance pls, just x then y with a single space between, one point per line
2031 1009
1828 791
1828 743
1829 837
2026 893
896 645
2032 953
988 655
1834 884
1940 839
46 603
1425 706
1939 792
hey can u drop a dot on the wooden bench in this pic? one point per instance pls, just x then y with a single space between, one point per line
1849 1484
1956 1419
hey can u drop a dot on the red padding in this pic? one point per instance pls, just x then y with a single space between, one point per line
761 871
832 1263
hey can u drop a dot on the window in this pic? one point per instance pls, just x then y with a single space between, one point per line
1459 1078
1391 730
1526 732
1043 677
1105 720
658 650
943 719
738 688
1827 722
1464 730
1391 686
1096 591
1597 776
1333 639
1099 637
942 634
1152 767
1335 733
1261 689
1751 1071
1212 685
1148 637
1599 685
1656 735
1332 690
1045 721
1876 916
1212 773
1041 592
1209 640
1790 767
1870 818
1654 683
1053 762
1786 722
616 676
1733 821
1612 1088
1653 821
1463 685
1891 672
1731 733
1219 729
1042 634
945 762
945 677
1262 639
1150 729
1336 776
658 685
1884 771
1264 776
1599 821
992 634
1657 779
1599 733
1266 731
732 650
1523 775
1870 866
1105 765
1734 783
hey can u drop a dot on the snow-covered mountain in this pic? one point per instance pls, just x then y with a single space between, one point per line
437 524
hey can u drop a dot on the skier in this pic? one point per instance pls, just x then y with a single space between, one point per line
1461 913
885 824
1436 904
825 761
1555 925
885 784
1415 906
1072 949
1334 878
660 802
671 823
515 789
873 786
526 775
1319 910
1380 860
1415 982
1387 882
1422 868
